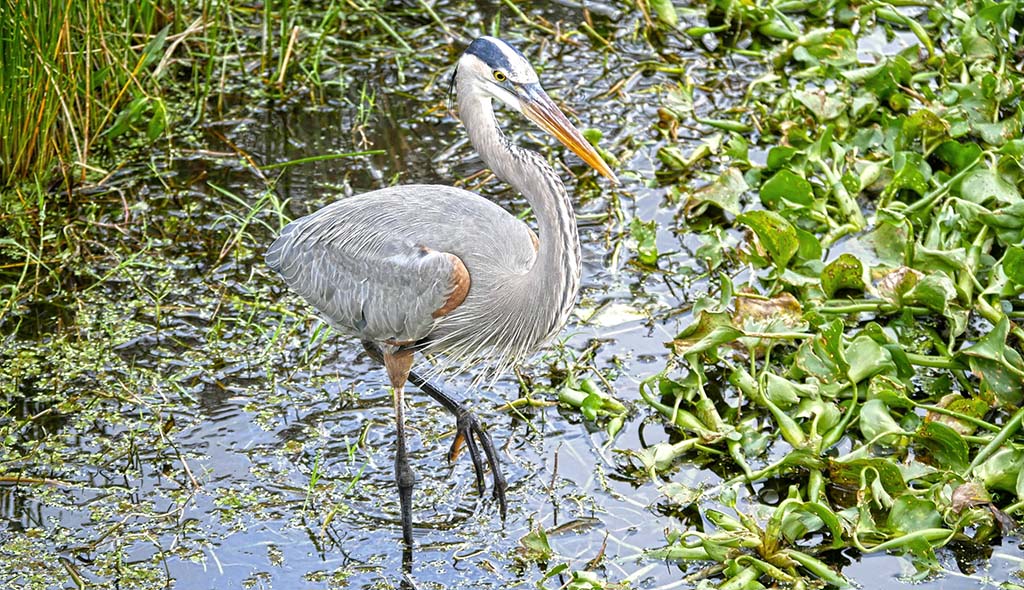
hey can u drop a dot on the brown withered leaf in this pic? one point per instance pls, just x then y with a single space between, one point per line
895 283
974 407
751 309
968 495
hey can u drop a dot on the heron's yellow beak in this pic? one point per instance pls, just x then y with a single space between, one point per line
539 108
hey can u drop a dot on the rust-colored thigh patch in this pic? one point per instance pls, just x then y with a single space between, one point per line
459 282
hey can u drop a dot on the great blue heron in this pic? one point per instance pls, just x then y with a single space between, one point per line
441 270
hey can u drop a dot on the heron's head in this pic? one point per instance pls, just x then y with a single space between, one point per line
492 68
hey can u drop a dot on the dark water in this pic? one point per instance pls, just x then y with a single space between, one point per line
237 443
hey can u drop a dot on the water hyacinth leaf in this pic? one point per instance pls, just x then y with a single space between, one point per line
884 80
889 243
682 418
917 470
1013 265
950 261
712 247
783 392
999 366
786 185
912 173
892 392
590 400
819 569
779 156
852 183
1008 223
707 413
809 249
608 403
590 407
1013 148
925 125
834 47
862 74
680 494
788 427
723 520
867 358
796 524
879 334
715 549
724 193
972 407
883 471
895 284
774 233
822 415
910 514
935 291
845 272
783 310
995 379
826 517
645 235
977 46
711 330
946 448
677 552
615 424
661 456
958 155
875 422
823 106
1002 470
969 494
672 157
982 185
822 356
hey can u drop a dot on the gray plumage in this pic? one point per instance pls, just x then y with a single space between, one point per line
380 265
384 286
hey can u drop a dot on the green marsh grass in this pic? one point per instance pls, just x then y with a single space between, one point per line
68 69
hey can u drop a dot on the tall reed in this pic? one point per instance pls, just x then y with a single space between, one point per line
68 69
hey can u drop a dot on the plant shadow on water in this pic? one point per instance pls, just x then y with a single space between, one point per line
213 434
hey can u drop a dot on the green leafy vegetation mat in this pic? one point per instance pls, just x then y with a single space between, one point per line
867 351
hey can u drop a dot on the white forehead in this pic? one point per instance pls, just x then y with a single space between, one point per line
495 54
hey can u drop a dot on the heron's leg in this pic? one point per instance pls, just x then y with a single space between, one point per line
468 432
398 364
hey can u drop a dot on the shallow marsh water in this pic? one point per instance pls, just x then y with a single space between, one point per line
190 423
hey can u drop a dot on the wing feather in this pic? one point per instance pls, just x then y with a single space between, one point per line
364 277
429 264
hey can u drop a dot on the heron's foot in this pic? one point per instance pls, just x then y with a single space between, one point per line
470 434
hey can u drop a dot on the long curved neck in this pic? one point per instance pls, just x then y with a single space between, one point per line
556 272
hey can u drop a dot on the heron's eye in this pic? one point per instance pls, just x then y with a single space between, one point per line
500 77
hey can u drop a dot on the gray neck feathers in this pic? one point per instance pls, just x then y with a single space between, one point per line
549 288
